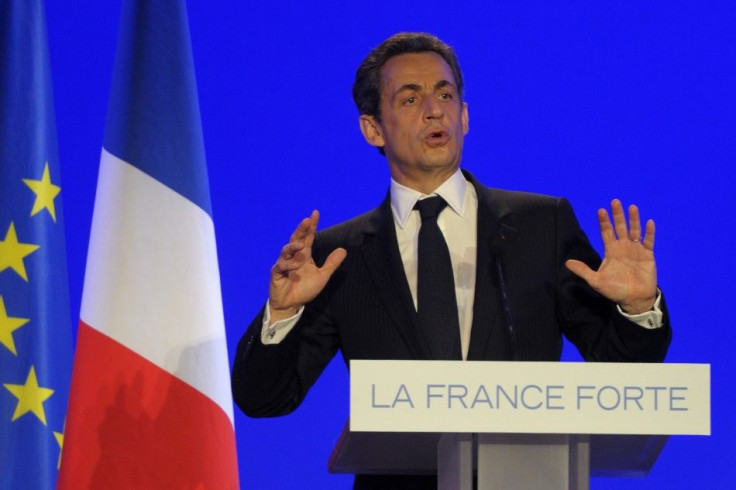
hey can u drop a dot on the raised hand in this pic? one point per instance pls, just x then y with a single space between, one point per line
295 278
628 273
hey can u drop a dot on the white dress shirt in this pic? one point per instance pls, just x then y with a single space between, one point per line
458 223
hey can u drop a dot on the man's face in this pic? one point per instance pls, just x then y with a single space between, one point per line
423 122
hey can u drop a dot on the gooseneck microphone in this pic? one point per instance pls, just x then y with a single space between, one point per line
497 247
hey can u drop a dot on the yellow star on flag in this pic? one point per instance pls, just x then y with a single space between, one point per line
59 436
9 324
45 193
30 397
13 252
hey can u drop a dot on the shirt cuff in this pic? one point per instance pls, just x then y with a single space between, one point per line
649 319
274 334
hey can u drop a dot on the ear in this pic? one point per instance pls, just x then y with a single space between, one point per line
371 130
464 118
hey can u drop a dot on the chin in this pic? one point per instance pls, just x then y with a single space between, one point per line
441 161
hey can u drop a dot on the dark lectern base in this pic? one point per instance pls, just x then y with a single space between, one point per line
569 459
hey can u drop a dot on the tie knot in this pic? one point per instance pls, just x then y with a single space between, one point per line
430 207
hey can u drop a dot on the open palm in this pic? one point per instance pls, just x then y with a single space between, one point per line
628 273
295 277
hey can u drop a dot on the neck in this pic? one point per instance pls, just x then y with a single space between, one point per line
424 182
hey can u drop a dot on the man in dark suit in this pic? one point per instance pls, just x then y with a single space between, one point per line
524 273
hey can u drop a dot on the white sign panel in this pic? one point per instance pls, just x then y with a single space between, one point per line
529 397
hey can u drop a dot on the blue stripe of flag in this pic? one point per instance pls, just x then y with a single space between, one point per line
153 119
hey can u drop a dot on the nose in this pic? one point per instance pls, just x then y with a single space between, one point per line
433 108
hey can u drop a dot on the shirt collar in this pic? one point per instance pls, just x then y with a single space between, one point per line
452 190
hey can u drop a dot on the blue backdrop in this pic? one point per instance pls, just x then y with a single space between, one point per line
589 100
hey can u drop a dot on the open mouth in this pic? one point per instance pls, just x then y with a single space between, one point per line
436 138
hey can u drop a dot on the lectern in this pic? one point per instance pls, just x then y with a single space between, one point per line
517 424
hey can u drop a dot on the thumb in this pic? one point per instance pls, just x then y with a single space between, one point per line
334 260
581 270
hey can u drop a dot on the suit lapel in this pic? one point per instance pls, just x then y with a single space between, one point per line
382 260
488 338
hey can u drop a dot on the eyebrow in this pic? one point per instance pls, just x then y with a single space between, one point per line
415 87
443 83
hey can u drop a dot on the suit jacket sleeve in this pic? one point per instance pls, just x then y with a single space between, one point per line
272 380
590 321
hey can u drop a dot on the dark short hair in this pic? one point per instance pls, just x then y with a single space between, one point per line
367 84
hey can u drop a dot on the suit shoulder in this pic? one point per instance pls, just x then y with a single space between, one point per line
348 233
506 200
518 201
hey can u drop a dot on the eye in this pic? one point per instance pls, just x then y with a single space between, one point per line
446 96
410 101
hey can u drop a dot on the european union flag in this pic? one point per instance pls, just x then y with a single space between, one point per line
35 330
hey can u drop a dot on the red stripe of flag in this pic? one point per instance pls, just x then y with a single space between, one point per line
138 425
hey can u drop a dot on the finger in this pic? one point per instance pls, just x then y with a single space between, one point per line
649 237
301 230
619 220
291 248
605 225
634 223
313 221
334 260
581 270
288 259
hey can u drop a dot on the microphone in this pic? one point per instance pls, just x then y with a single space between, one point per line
497 246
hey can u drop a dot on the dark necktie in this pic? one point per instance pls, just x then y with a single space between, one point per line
436 303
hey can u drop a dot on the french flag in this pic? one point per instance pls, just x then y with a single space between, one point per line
150 403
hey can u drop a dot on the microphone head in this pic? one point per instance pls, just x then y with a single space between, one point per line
506 234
